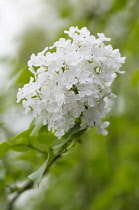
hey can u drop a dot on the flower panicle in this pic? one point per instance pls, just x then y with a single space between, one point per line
73 82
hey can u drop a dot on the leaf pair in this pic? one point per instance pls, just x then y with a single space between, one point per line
37 176
23 142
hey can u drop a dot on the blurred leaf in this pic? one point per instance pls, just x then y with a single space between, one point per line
43 129
4 147
23 77
20 148
22 138
37 176
135 78
118 5
72 131
30 156
45 138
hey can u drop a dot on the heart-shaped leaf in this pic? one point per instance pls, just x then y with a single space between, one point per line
36 177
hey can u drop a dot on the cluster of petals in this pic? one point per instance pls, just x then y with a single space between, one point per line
71 82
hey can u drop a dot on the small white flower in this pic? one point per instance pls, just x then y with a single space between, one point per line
72 83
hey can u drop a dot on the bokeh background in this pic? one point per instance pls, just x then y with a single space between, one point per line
101 173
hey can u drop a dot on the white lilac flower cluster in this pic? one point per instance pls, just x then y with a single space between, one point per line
72 82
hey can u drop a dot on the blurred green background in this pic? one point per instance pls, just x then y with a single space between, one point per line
101 173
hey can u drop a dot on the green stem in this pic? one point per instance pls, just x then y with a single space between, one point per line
29 185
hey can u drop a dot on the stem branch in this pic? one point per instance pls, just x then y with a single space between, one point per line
29 185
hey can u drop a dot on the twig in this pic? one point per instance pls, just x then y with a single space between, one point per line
29 185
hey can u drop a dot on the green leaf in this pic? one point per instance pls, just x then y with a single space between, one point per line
119 5
72 131
44 129
37 176
23 77
30 156
20 148
45 139
4 147
22 138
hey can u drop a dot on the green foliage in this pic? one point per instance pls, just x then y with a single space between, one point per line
37 176
24 142
4 147
72 131
22 137
119 5
23 77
